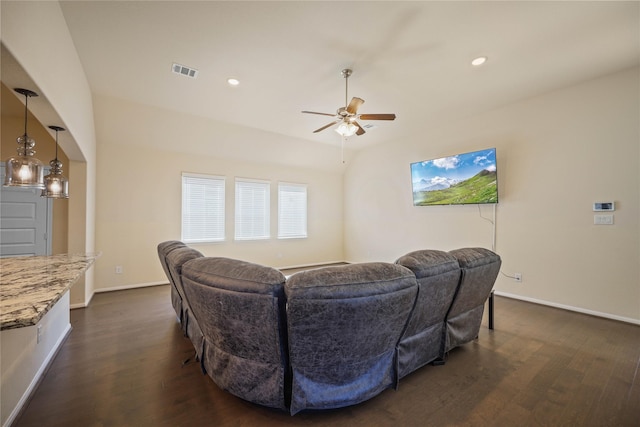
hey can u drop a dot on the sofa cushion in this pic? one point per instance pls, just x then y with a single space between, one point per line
344 324
236 275
479 270
176 259
163 250
428 262
438 275
239 307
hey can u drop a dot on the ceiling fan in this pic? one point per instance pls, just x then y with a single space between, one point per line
347 116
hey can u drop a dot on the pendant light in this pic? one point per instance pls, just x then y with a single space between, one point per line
24 170
56 186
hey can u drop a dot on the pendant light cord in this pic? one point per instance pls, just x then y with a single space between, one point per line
56 145
26 102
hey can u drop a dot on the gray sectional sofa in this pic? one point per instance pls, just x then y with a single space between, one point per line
327 337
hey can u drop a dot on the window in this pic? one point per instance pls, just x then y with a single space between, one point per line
202 208
252 209
292 211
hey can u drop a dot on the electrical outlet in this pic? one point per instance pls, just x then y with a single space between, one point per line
517 277
38 334
118 269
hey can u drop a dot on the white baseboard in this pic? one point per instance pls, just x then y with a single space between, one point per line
82 304
37 377
569 307
134 286
115 288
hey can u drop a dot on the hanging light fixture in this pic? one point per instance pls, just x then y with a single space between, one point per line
24 170
56 186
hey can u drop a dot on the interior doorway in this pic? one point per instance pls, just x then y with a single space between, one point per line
25 221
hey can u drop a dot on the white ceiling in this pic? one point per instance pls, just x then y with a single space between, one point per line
409 58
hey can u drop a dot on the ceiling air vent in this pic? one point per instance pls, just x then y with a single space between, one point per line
185 71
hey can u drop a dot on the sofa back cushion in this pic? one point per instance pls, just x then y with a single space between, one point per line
438 275
479 268
240 308
163 250
344 324
176 259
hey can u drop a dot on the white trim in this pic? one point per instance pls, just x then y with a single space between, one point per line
37 377
134 286
202 175
570 308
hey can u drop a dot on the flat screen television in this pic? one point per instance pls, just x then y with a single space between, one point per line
468 178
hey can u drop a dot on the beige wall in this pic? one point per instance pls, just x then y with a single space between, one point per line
44 58
557 154
142 152
12 118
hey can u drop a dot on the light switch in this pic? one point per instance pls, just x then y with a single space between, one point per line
603 219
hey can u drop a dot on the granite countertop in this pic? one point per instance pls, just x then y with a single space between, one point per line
30 286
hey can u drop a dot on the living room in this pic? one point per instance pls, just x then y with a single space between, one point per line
560 149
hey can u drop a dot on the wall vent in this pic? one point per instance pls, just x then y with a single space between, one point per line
184 71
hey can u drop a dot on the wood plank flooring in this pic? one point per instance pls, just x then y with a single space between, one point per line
122 365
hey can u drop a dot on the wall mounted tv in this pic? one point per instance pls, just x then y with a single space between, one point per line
469 178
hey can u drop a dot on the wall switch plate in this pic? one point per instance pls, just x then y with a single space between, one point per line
118 269
603 219
38 334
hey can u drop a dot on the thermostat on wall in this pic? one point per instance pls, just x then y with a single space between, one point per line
604 206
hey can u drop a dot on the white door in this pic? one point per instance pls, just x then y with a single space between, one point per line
25 221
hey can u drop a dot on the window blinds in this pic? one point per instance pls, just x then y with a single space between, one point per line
252 210
202 208
292 211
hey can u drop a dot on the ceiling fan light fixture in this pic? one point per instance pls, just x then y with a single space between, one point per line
346 129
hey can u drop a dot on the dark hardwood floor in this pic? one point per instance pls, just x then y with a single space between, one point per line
122 365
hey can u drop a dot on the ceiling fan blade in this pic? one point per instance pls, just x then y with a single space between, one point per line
326 126
353 106
360 130
322 114
377 116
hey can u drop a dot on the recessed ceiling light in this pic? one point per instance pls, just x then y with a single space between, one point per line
479 61
233 82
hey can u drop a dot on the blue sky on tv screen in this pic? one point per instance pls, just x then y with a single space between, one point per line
442 173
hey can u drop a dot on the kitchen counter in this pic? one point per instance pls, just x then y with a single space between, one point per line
30 286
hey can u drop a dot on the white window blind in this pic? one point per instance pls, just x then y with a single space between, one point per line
252 209
202 208
292 211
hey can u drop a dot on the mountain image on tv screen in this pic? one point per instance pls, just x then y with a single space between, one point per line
469 178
